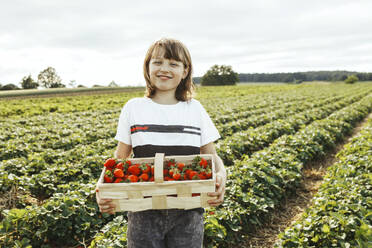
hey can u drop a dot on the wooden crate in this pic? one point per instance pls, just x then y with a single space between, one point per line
159 194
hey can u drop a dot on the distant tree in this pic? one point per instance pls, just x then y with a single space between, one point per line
97 85
81 86
29 83
72 83
113 84
220 75
49 78
10 87
351 79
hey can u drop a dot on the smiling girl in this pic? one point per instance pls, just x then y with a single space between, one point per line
167 120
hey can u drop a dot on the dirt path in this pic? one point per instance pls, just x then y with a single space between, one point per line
293 207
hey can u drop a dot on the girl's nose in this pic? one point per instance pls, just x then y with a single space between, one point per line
164 67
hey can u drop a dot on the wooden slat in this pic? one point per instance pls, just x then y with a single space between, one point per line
158 168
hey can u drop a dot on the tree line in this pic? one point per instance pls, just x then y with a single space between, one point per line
298 77
47 78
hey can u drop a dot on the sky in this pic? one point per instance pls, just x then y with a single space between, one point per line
96 42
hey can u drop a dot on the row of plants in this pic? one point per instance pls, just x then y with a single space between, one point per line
275 113
341 211
252 140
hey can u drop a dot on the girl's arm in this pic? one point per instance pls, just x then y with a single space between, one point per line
123 151
221 176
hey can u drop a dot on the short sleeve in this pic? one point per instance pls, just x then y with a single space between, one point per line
123 129
209 132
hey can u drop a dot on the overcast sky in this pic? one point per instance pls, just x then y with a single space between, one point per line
96 42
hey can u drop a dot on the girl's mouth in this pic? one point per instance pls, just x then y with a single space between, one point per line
164 77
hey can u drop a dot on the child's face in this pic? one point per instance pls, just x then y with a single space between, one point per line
166 74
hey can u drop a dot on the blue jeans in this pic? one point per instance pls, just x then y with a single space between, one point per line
170 228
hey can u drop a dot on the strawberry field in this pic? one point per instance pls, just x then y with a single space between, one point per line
52 151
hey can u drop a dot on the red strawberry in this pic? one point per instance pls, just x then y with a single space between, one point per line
176 176
118 173
133 178
128 163
134 170
144 177
209 174
118 180
171 163
203 162
152 170
202 176
193 174
110 163
145 168
108 179
180 166
120 166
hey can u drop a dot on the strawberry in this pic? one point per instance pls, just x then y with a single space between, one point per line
108 179
118 180
193 174
118 173
120 166
202 176
171 163
176 176
134 170
203 162
128 163
133 178
180 166
151 179
144 177
145 168
110 163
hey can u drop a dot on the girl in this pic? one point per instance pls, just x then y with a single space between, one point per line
170 121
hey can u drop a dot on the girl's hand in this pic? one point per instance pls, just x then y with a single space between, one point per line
220 191
105 205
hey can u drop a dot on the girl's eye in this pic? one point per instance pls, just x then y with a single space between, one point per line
174 64
157 62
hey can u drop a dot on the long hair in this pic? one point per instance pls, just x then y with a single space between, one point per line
173 49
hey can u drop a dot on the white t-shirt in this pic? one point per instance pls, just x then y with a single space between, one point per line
178 129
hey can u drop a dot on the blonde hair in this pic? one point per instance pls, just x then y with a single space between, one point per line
173 49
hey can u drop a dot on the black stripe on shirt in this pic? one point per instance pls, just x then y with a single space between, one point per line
150 150
165 129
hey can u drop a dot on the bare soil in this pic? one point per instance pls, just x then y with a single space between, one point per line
293 207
